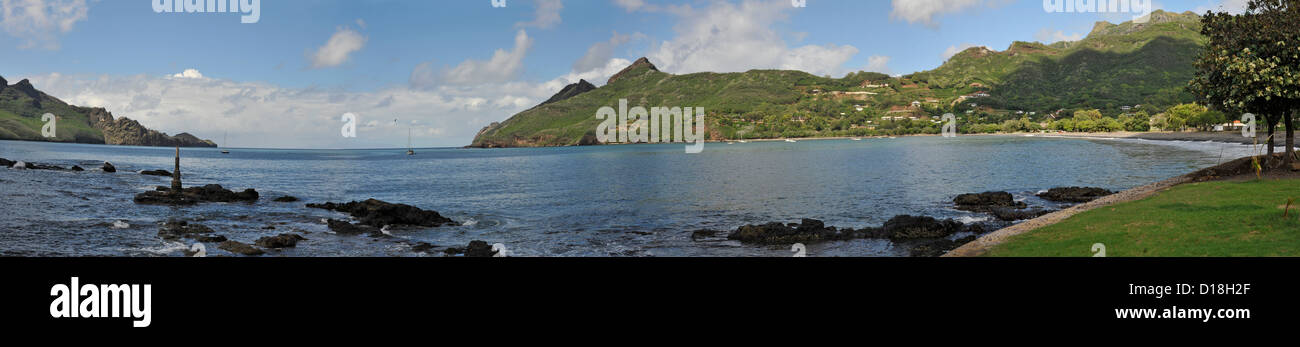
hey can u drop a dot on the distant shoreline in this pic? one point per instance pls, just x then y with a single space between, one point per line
1220 136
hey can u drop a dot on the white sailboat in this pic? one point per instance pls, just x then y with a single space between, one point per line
409 149
225 137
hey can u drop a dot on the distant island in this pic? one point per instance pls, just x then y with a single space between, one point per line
1121 77
22 105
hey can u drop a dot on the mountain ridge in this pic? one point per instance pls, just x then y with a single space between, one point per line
1115 66
22 105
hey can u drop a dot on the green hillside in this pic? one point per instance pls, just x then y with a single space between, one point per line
22 105
1116 65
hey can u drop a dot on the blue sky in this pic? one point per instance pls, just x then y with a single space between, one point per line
447 68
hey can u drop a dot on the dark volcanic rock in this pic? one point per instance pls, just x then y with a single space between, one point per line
174 230
479 249
280 241
6 162
193 195
570 91
34 166
938 247
704 234
422 247
286 199
378 213
163 173
344 228
1074 194
982 202
208 238
239 248
627 71
164 198
77 168
806 231
476 248
1011 214
216 193
906 227
108 167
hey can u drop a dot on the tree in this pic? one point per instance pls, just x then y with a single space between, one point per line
1092 115
1139 121
1251 63
1182 115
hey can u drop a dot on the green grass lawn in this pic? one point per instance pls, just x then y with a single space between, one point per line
1209 219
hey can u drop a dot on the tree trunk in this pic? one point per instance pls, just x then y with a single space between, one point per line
1288 158
1272 125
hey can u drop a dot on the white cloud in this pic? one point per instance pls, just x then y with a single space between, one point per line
924 11
729 37
953 50
601 52
302 117
336 51
1048 36
630 5
189 73
39 22
1230 6
548 15
503 66
878 63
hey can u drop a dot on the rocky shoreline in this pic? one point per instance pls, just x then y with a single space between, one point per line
981 245
921 236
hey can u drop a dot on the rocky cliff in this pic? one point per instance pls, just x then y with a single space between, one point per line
22 105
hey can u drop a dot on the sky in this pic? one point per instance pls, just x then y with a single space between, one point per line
442 70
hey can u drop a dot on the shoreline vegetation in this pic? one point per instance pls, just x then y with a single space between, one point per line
1187 215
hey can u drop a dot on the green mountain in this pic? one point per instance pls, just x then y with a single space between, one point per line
1116 65
22 105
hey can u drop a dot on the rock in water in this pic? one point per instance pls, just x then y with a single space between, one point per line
345 228
164 173
939 247
6 162
983 202
175 230
1011 214
280 241
286 199
239 248
806 231
475 249
479 249
919 227
422 247
193 195
1074 194
378 213
108 167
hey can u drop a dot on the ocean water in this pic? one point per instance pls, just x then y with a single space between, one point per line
630 200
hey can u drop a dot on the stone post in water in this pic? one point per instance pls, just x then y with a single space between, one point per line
176 174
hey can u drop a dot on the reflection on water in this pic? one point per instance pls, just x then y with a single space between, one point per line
641 200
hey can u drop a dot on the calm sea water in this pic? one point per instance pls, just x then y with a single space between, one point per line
638 200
